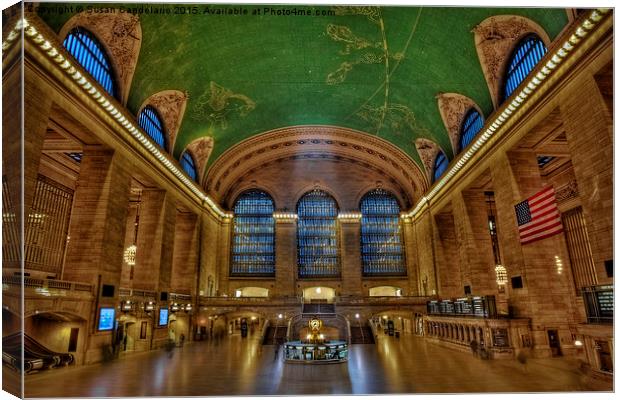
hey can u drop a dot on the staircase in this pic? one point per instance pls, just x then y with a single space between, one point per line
362 335
275 335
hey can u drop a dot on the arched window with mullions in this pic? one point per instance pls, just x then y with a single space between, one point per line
381 239
188 165
472 123
440 166
150 121
528 52
89 52
317 235
253 246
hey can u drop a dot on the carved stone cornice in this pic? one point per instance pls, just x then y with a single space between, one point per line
170 105
452 108
567 192
319 141
121 36
495 38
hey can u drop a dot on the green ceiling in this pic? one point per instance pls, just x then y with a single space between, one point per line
249 74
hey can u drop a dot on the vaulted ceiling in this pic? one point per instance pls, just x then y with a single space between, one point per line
373 69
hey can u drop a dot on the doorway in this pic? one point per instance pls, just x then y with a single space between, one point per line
554 343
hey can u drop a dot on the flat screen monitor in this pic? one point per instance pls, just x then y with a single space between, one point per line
106 319
163 316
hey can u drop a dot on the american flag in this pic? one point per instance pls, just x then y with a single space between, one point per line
538 217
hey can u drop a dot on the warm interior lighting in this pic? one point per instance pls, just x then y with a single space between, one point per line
501 276
318 290
357 315
558 264
129 256
578 343
279 316
237 293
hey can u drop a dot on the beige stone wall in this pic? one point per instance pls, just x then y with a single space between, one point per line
185 254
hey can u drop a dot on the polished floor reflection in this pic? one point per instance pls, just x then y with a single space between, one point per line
244 367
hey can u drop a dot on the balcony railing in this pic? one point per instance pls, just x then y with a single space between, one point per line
476 306
50 284
599 303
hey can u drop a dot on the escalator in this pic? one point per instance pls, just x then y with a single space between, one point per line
36 356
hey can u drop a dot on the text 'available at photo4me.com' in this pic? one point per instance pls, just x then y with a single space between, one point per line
187 9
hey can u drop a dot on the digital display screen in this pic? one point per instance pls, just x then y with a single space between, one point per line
163 316
106 319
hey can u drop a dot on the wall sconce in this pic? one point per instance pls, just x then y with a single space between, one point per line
188 307
149 306
175 307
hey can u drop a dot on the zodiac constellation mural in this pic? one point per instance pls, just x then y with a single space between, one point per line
218 104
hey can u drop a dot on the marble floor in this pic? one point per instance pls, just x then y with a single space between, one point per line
244 367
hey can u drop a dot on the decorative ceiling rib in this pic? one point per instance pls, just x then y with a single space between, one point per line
316 142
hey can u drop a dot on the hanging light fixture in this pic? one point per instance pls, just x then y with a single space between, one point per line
501 276
129 256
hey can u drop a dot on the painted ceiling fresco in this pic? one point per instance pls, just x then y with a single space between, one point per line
374 69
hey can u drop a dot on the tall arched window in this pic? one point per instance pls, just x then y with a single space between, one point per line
317 235
472 123
441 164
87 51
188 165
253 247
528 52
381 242
150 121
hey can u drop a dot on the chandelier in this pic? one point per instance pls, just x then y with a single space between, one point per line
129 255
501 276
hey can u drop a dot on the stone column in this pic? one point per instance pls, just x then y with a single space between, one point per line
98 219
475 248
209 239
546 295
446 258
286 257
410 248
223 257
588 127
425 238
156 233
97 231
350 255
185 255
